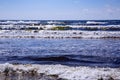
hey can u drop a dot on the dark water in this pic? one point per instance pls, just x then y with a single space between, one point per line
73 52
67 22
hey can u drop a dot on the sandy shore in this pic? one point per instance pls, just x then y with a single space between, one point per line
56 72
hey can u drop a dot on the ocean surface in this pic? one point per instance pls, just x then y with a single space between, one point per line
72 52
62 22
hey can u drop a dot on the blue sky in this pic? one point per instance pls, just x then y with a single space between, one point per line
60 9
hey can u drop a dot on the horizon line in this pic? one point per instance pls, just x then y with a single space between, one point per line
59 19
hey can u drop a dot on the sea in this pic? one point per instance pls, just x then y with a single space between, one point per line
65 22
70 52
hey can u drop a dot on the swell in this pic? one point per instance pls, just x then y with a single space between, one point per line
74 60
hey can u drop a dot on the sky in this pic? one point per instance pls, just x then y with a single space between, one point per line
60 9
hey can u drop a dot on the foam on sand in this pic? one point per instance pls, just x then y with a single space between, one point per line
58 72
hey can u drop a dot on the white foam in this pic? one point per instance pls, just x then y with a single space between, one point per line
58 34
66 72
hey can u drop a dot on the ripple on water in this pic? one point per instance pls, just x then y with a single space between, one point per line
75 52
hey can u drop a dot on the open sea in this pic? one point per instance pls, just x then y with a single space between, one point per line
72 52
62 22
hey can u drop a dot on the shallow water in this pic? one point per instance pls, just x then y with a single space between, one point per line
24 75
73 52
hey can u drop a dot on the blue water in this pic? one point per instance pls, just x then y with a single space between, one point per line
70 22
72 52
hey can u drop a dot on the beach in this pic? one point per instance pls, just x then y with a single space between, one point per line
55 52
56 72
59 39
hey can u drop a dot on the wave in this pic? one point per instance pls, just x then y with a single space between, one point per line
73 60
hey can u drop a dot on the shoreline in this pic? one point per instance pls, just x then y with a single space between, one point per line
57 72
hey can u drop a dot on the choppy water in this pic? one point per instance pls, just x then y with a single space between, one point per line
66 22
74 52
